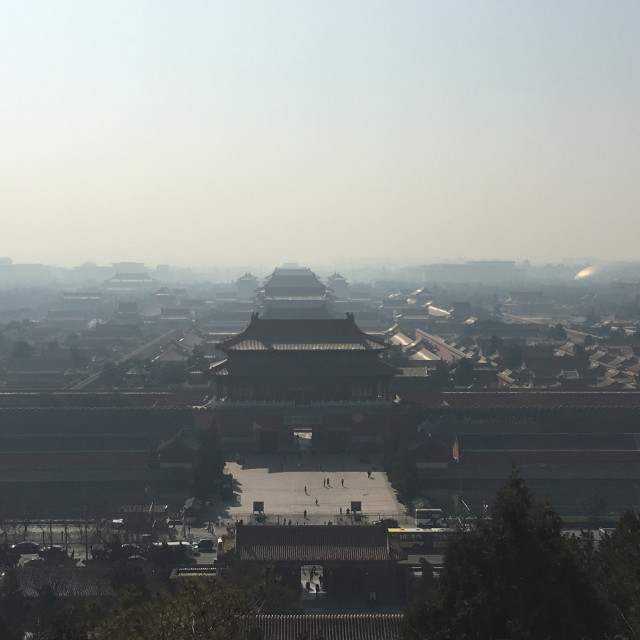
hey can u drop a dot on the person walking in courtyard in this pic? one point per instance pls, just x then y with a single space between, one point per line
304 513
342 482
316 502
305 489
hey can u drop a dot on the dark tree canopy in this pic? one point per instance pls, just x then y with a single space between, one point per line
617 572
463 375
12 607
110 376
400 465
558 332
440 377
22 349
201 609
495 344
209 462
513 575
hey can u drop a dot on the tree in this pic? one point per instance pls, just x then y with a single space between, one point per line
46 606
67 625
400 465
22 349
440 377
463 376
512 356
617 571
110 376
512 575
558 332
591 318
126 574
171 373
205 609
593 504
209 462
495 344
77 359
196 358
13 607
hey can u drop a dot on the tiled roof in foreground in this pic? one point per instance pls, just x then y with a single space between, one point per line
361 626
65 582
312 543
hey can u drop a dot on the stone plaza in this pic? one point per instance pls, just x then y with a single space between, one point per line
322 485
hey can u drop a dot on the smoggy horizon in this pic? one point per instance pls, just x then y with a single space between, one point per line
224 133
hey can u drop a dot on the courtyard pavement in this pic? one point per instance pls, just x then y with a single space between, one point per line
280 481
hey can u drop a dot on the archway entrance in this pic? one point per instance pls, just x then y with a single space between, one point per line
303 439
312 581
343 580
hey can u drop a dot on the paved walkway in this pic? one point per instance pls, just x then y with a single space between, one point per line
280 483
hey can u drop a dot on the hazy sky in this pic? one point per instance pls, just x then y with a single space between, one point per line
220 133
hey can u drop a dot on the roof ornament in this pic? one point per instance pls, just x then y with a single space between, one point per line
254 316
350 316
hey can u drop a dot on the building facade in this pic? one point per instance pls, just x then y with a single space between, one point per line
302 361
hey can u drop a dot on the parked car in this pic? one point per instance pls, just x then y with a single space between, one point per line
139 559
54 553
34 562
177 552
129 550
390 523
26 547
206 544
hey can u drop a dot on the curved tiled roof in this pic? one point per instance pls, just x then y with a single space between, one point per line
312 543
327 334
359 626
301 281
65 582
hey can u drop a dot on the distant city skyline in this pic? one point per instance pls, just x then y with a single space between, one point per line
359 133
140 265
